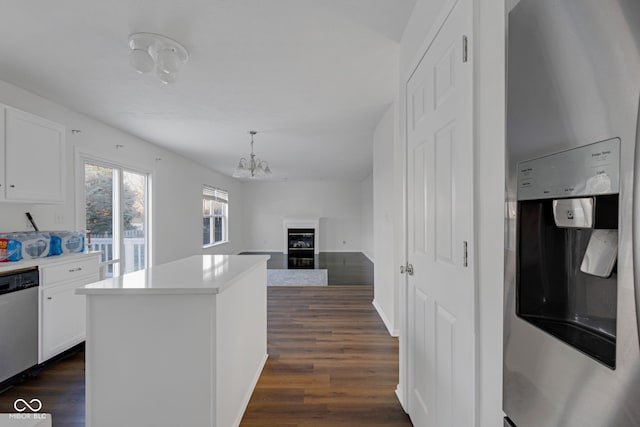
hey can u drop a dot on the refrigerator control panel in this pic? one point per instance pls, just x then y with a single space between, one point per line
589 170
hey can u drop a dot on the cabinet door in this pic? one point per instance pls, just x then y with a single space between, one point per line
34 158
63 318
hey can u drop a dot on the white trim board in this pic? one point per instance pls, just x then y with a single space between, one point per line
385 320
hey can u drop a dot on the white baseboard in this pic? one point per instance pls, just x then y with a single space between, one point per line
247 397
400 398
393 332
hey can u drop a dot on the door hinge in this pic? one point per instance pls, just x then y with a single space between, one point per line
464 49
465 257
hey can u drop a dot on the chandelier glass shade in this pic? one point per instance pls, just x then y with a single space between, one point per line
252 167
154 52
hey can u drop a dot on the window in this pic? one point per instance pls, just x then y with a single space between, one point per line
116 216
215 209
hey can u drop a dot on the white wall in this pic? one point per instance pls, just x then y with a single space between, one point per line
367 217
385 287
338 204
177 182
488 50
425 13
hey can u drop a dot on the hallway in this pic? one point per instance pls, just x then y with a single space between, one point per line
331 362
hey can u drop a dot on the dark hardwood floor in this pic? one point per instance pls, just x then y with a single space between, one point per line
60 388
343 268
331 363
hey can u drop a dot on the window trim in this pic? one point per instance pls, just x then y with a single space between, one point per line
212 193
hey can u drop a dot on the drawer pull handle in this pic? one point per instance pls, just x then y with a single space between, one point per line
49 298
73 270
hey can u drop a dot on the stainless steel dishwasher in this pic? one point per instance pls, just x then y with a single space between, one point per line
18 321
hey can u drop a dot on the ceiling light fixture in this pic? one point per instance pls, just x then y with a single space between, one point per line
151 51
252 168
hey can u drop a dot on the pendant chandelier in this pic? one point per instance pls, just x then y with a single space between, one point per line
254 167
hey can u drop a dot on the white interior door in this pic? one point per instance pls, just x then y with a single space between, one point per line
440 293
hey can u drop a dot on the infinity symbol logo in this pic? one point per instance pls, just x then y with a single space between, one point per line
21 405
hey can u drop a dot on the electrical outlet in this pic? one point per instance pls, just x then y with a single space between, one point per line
58 218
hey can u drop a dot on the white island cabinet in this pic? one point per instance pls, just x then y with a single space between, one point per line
178 344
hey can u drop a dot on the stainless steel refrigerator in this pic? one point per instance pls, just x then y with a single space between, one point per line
572 217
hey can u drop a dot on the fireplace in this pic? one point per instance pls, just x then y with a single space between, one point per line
301 247
301 242
301 239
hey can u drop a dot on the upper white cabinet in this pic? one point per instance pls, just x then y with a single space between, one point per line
34 150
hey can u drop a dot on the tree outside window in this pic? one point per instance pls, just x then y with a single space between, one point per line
99 200
115 209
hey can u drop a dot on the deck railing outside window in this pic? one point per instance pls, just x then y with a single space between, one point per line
133 249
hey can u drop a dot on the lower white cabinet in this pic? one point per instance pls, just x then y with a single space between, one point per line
63 318
62 312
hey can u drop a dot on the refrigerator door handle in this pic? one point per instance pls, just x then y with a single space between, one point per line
636 222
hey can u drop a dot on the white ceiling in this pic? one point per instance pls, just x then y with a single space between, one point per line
313 77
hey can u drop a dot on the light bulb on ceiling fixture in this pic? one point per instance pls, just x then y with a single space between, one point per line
141 60
165 77
149 51
168 61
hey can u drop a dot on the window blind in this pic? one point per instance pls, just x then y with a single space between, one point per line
216 194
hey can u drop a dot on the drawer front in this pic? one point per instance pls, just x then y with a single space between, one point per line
69 271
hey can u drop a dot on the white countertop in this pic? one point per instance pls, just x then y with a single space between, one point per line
43 262
198 274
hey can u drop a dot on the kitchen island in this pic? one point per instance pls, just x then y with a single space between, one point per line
178 344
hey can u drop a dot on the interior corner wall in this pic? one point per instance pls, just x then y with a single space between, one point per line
383 220
176 182
178 207
337 204
366 224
